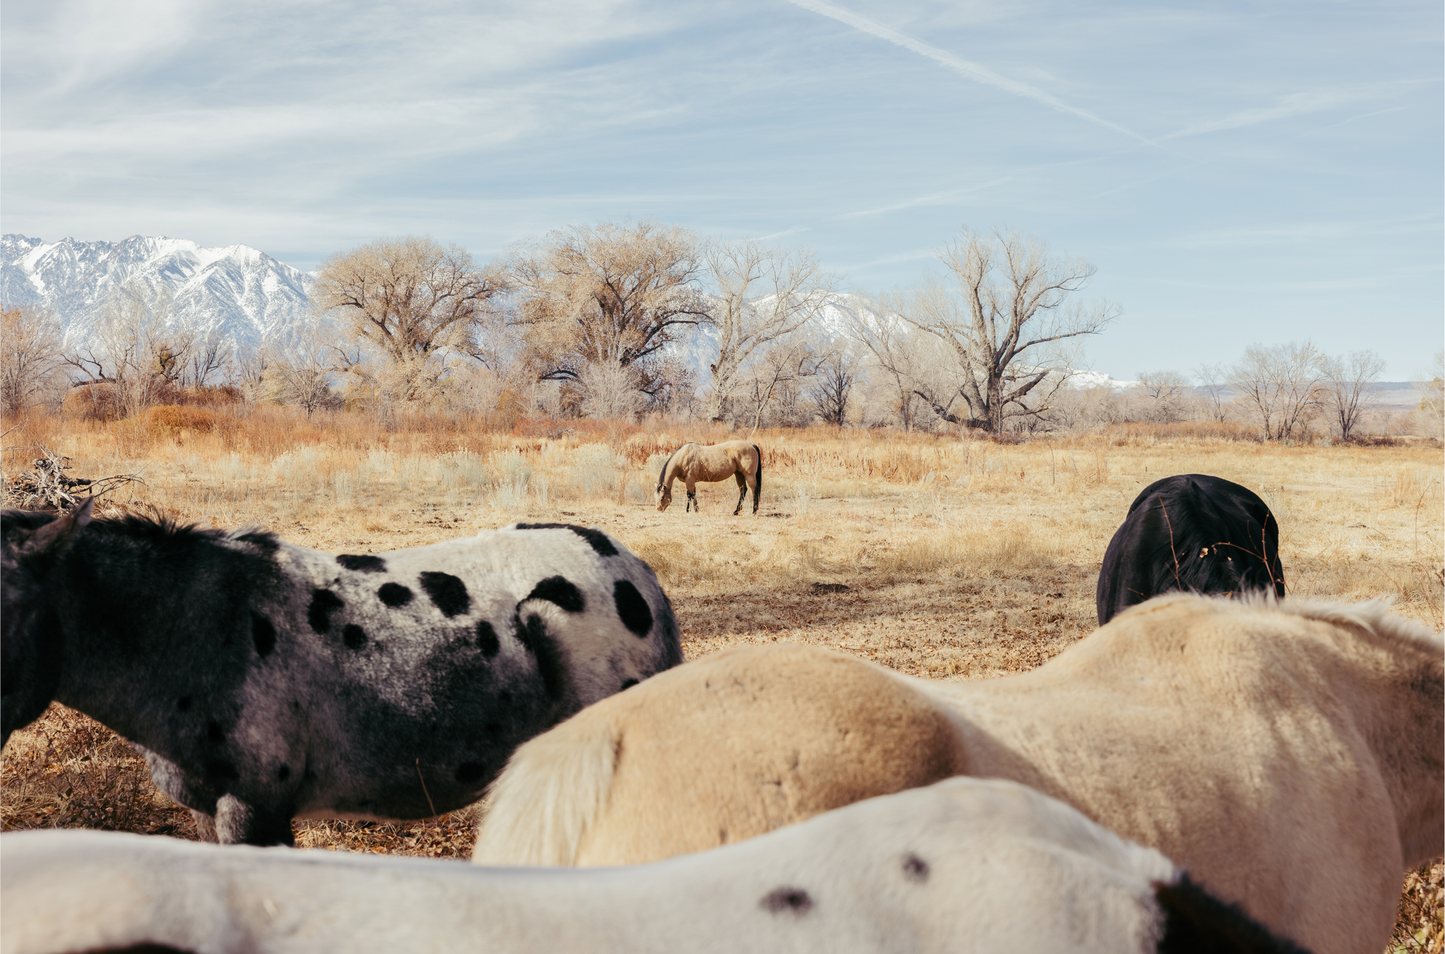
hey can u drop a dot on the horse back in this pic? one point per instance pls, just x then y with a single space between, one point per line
790 732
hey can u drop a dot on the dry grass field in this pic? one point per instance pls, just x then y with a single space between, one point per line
942 557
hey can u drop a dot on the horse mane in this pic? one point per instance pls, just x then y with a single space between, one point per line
1372 616
27 519
662 475
152 527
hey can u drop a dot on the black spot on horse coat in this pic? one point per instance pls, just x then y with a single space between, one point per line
353 636
263 635
598 540
551 660
362 563
915 868
487 640
447 592
559 590
794 900
632 609
323 604
394 594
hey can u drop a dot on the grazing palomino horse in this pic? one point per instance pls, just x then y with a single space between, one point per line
1191 532
694 463
965 865
263 681
1288 755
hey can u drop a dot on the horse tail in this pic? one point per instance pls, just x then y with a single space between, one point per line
549 796
758 485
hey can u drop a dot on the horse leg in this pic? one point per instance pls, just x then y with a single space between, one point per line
239 822
742 491
692 497
185 791
205 826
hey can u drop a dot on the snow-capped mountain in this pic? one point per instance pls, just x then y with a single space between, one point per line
244 294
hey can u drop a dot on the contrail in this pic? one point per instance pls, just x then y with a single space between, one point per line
973 71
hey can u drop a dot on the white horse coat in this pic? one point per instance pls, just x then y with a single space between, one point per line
963 866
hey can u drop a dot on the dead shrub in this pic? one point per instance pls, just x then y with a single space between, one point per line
93 402
180 417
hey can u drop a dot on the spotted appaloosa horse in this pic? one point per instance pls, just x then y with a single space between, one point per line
1289 755
1195 533
694 463
264 681
965 865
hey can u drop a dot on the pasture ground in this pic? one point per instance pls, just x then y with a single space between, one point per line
940 556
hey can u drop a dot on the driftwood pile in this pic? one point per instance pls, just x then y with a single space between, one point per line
47 486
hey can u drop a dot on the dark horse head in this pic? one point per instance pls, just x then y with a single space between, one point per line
31 546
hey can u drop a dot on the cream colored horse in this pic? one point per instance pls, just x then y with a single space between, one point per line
696 463
1290 756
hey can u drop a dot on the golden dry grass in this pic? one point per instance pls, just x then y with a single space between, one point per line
941 557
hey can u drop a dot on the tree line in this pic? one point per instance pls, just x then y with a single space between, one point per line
593 322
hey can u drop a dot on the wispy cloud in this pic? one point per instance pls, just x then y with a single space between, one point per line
1329 232
936 198
795 230
1295 104
966 68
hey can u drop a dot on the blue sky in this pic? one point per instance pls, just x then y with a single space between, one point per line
1238 173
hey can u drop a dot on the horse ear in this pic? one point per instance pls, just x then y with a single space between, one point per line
55 537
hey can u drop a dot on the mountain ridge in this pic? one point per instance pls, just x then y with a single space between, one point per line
237 291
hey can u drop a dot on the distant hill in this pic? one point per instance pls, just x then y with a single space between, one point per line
245 294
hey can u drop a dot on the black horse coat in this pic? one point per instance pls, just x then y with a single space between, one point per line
1190 532
264 681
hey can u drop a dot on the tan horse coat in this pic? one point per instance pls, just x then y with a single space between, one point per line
1291 758
696 463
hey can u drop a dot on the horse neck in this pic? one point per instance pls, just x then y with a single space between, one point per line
119 614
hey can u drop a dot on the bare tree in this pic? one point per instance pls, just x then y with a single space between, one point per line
1166 394
612 294
895 347
779 371
1280 385
31 357
211 353
1214 383
763 294
413 300
1010 302
834 387
610 392
138 346
1349 388
1432 397
298 380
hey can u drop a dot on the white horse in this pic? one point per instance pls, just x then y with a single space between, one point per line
966 865
1289 755
694 463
